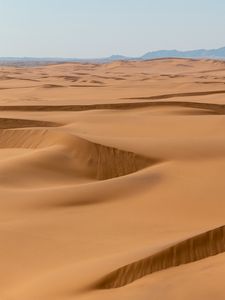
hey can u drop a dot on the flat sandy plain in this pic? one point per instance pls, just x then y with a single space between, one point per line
112 181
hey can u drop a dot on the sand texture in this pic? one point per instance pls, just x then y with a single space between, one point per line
112 181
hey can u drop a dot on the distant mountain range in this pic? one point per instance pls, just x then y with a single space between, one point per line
195 54
201 53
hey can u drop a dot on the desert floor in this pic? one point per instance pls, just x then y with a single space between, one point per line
112 181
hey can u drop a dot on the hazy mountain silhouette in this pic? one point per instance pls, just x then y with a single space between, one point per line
201 53
195 54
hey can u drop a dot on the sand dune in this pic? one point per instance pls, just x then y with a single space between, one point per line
6 123
193 249
215 108
99 161
168 96
112 181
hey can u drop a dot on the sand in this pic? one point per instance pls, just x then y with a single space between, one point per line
112 181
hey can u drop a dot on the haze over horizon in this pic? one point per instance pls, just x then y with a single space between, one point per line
94 29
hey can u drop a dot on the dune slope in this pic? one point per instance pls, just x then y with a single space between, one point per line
193 249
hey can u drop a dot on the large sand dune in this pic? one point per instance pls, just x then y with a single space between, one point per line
112 181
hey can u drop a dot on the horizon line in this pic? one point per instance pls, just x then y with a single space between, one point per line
109 56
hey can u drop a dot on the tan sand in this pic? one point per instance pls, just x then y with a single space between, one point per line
112 181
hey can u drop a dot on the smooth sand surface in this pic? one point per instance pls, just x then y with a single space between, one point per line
112 181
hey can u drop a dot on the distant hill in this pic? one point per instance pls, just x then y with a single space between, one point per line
195 54
201 53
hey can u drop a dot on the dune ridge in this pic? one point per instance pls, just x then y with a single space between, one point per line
187 94
213 107
91 159
26 138
113 162
193 249
6 123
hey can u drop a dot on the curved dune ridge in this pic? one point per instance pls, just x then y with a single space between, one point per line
187 94
103 162
193 249
211 107
6 123
112 162
29 138
89 159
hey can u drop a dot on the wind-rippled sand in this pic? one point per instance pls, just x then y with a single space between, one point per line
112 181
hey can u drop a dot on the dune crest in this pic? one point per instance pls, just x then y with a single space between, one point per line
113 162
193 249
87 158
211 107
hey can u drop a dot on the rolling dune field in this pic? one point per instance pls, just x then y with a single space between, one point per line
112 181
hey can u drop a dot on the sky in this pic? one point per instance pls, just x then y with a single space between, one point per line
99 28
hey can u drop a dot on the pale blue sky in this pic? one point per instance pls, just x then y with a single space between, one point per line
96 28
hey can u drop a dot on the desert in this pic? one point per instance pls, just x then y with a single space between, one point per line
112 180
